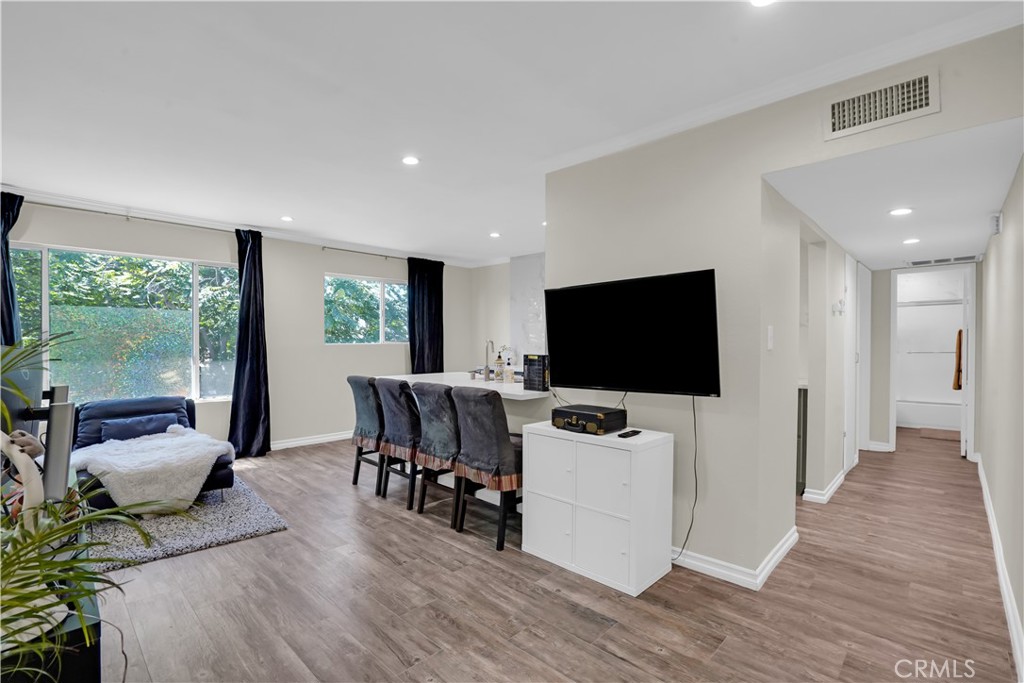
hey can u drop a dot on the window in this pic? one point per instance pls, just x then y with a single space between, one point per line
361 311
142 326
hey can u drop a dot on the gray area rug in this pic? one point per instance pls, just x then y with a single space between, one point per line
242 514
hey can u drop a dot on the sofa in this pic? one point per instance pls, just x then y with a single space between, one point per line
117 414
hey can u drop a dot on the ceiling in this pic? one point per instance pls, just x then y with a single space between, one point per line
243 112
953 183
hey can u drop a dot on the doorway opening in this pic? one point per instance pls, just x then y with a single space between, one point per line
933 353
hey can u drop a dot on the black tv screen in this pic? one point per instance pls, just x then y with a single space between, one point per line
656 335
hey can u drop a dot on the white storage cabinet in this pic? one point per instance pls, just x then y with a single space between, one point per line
600 506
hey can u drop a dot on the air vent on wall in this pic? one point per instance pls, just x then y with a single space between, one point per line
944 261
891 103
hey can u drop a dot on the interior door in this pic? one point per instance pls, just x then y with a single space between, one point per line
850 365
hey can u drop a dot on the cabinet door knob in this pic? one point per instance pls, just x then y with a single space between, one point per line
568 470
568 533
623 552
625 483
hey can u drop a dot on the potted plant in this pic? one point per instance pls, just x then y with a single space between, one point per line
47 560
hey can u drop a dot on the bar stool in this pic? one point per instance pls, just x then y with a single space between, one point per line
366 436
401 436
439 442
489 456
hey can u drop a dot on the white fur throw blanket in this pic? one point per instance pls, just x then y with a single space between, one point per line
167 467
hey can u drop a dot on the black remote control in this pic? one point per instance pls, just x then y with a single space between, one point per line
630 433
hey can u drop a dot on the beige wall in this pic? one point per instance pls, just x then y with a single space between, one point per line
308 393
881 344
1001 389
695 200
490 304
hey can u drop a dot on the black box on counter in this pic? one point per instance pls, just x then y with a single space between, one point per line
535 372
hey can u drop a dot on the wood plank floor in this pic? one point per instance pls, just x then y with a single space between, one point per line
899 565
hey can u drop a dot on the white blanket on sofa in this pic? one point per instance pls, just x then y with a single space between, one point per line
170 467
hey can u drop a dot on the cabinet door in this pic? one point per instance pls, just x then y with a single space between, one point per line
547 527
602 478
549 466
602 545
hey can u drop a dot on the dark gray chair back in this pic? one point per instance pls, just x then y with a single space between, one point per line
487 455
439 424
369 413
401 418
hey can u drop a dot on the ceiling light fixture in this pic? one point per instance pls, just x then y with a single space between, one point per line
410 160
495 235
544 224
761 3
912 240
287 219
901 212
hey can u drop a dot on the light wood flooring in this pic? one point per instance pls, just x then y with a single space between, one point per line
899 565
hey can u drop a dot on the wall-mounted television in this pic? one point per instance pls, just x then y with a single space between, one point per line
656 335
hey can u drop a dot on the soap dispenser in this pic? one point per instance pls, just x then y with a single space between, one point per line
510 372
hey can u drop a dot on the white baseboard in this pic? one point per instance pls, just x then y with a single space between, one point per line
733 573
880 447
816 496
1013 617
309 440
974 457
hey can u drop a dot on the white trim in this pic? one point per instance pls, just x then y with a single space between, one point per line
856 461
309 440
1013 617
733 573
816 496
909 47
893 324
880 447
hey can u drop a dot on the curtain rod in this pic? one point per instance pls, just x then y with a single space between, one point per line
364 253
77 204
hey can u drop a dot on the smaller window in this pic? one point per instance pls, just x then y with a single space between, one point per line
363 311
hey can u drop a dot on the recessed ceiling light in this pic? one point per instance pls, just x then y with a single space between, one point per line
912 240
287 219
901 212
495 235
544 224
410 160
761 3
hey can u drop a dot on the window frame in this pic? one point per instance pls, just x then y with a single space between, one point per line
44 308
380 298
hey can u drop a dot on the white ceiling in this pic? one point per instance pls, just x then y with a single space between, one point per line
243 112
953 183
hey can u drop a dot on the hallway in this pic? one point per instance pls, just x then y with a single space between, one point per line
905 545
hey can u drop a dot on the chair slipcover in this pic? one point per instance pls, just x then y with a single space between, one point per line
369 413
401 419
439 440
488 455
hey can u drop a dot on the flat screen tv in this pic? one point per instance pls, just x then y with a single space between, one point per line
656 335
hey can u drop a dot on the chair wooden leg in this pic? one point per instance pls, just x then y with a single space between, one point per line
382 470
411 496
359 461
508 499
427 474
462 508
456 501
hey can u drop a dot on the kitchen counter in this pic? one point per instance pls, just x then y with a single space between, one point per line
509 391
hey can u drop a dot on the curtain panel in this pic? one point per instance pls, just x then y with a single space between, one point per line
426 315
249 428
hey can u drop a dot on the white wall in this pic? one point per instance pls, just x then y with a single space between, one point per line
308 394
1001 399
696 200
526 315
491 310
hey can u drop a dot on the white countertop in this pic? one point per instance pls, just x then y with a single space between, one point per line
508 390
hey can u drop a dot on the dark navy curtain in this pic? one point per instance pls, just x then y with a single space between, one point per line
11 321
426 315
249 429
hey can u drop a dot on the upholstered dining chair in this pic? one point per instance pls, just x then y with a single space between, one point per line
369 429
439 442
489 456
401 437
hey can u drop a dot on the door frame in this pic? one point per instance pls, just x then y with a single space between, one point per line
968 401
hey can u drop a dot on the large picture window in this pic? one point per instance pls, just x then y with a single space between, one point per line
365 311
141 326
